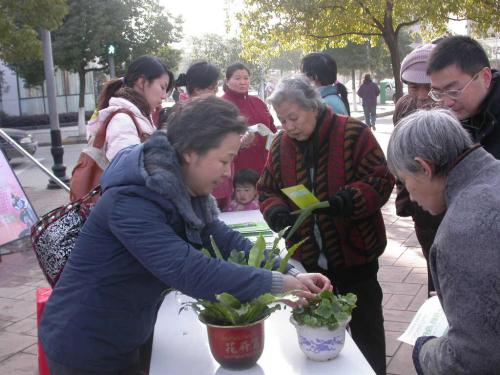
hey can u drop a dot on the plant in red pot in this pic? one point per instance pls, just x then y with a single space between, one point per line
236 329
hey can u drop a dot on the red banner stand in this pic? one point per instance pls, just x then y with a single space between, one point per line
42 296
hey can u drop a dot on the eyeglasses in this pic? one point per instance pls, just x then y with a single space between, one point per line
438 95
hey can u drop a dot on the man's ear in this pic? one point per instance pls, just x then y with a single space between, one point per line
485 76
427 168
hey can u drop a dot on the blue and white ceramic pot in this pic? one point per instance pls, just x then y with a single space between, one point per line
320 343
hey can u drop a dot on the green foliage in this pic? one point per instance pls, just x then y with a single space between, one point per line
20 21
325 310
304 213
369 57
228 310
272 26
222 52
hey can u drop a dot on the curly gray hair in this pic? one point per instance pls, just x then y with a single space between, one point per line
297 89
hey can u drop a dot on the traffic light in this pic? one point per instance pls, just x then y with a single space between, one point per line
111 49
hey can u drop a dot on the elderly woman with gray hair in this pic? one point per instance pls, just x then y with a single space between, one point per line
443 171
339 160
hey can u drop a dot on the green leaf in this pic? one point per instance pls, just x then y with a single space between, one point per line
238 257
228 300
256 254
206 252
217 252
325 310
304 214
289 254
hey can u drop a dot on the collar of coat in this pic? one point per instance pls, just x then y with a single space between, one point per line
163 175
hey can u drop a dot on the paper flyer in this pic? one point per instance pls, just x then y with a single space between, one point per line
264 131
429 321
300 195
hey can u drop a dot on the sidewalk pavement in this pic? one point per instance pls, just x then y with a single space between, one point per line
69 134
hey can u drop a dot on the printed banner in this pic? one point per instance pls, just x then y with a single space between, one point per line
16 214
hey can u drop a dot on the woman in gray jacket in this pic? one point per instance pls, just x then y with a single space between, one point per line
443 171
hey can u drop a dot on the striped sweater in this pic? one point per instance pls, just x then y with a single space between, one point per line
346 158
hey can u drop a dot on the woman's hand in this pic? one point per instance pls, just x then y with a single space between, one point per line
306 285
247 139
315 282
291 283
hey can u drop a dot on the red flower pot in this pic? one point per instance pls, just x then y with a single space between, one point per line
237 347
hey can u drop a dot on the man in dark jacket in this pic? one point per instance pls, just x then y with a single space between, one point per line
462 80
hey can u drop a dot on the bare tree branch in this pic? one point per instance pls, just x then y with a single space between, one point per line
404 24
367 11
342 34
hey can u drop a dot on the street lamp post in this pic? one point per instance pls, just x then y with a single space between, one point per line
56 149
111 58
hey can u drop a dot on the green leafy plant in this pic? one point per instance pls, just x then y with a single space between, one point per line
227 310
304 213
325 310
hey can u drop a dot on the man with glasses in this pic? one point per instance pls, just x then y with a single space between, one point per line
462 80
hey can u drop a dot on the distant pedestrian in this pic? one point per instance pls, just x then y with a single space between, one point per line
368 93
321 69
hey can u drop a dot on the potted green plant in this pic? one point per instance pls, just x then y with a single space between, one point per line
321 324
236 329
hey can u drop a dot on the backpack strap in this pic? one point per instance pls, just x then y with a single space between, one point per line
100 137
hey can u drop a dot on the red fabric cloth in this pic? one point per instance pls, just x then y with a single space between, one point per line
255 111
42 296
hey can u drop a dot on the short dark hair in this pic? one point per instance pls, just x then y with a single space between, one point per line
459 50
234 67
147 66
320 66
201 75
245 177
201 123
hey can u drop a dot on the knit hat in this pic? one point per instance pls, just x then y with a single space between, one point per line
414 65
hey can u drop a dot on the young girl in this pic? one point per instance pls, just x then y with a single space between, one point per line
245 191
140 91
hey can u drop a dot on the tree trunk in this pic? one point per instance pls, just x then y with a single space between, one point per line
81 103
391 39
353 86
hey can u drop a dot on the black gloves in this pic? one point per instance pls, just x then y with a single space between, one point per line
280 219
341 204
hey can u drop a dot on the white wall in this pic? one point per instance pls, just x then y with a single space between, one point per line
9 94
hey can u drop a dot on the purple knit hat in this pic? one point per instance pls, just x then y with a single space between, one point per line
414 65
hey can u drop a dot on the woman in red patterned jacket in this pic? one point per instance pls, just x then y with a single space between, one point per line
339 160
252 154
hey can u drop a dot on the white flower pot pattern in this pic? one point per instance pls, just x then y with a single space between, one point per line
320 343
